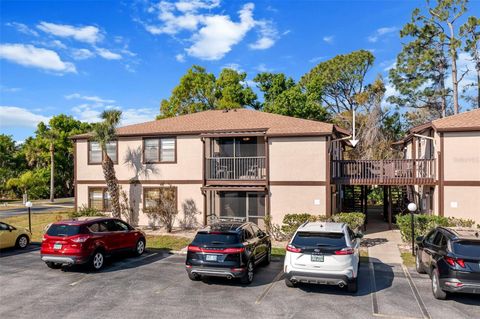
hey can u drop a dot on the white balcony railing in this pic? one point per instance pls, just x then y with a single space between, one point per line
235 168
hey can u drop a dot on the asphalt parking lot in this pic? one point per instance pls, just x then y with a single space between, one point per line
156 286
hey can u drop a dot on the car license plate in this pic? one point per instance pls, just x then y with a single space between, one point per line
211 257
317 258
57 246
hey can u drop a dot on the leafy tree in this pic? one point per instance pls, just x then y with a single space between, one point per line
11 162
52 145
103 133
200 91
32 182
471 31
283 96
335 83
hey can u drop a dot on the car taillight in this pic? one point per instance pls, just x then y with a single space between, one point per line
80 239
345 251
293 249
194 249
234 250
451 261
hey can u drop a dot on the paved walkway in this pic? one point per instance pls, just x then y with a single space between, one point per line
382 243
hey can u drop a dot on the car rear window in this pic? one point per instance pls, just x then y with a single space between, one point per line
216 238
467 248
63 230
312 239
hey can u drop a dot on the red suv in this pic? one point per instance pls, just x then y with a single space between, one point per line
89 241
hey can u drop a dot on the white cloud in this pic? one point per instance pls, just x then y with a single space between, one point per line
233 66
263 68
107 54
89 34
138 115
89 113
82 54
94 98
267 36
381 32
328 38
22 28
219 34
30 56
211 35
6 89
12 116
180 57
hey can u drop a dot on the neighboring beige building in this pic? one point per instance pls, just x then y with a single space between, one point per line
237 163
452 144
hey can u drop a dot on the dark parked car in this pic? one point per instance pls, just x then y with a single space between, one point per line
451 256
229 250
89 241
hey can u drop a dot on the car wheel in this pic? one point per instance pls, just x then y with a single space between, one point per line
247 278
438 293
53 265
97 260
140 247
352 286
289 283
418 263
22 241
194 277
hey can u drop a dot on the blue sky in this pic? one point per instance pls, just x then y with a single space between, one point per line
80 57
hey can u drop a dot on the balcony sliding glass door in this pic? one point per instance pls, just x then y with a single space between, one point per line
248 206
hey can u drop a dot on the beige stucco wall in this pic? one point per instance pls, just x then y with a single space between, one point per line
188 166
462 202
296 199
189 199
462 156
297 158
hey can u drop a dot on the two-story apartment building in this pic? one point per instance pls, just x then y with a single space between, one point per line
237 163
451 147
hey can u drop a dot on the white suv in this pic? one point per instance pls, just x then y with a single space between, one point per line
323 253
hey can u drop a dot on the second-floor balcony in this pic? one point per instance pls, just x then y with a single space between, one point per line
235 168
384 172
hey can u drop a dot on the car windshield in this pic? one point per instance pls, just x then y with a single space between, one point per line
216 238
312 239
63 230
467 248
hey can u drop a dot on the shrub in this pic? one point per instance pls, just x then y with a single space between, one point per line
354 220
164 210
425 223
85 211
291 222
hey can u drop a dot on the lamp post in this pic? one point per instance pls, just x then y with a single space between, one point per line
412 207
29 206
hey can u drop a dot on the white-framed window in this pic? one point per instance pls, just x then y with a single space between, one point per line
159 150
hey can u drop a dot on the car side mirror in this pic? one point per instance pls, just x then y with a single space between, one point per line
419 239
261 234
359 235
10 228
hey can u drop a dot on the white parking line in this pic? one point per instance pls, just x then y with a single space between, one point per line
116 267
269 287
416 294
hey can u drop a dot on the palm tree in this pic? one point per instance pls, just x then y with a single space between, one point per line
103 133
51 135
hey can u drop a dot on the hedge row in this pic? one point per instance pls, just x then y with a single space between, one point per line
291 222
425 223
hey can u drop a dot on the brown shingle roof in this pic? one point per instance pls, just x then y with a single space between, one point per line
466 121
232 121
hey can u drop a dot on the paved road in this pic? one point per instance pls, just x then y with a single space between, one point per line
35 210
155 285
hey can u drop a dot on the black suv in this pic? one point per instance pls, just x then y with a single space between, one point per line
229 250
451 256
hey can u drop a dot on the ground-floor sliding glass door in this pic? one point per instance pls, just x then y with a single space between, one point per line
248 206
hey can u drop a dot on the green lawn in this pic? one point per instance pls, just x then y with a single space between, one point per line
408 259
39 221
